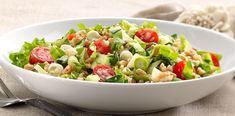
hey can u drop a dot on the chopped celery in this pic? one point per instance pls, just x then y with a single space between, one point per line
137 61
125 36
38 68
138 48
141 63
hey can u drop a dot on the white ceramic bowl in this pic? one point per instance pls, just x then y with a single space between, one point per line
114 97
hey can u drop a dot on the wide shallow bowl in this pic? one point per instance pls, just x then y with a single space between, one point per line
114 97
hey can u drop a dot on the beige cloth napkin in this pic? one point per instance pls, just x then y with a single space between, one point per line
215 17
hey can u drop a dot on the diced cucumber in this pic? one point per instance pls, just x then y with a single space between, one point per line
38 68
188 70
176 79
94 78
101 59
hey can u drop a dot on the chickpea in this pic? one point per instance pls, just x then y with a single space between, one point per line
29 67
67 70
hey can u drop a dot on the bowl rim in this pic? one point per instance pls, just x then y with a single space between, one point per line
39 75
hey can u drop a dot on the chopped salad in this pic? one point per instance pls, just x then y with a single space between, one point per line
120 53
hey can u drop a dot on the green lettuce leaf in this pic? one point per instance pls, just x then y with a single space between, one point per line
21 58
188 70
117 79
165 51
56 53
64 40
150 25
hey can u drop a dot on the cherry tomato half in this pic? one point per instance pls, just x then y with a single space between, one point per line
71 36
147 35
178 69
89 51
103 71
101 47
215 59
40 55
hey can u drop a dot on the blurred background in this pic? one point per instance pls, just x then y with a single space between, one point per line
18 13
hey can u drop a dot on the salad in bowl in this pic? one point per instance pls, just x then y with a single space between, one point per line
120 53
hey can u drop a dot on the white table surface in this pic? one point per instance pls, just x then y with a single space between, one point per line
18 13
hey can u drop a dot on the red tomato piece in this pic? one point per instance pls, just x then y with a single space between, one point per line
89 51
215 59
102 47
103 71
178 69
40 55
71 36
147 35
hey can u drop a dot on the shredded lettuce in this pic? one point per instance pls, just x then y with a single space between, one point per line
82 26
21 58
98 27
150 25
63 60
137 46
117 79
73 75
174 36
185 45
142 44
126 37
165 51
64 40
130 28
125 25
113 58
56 53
